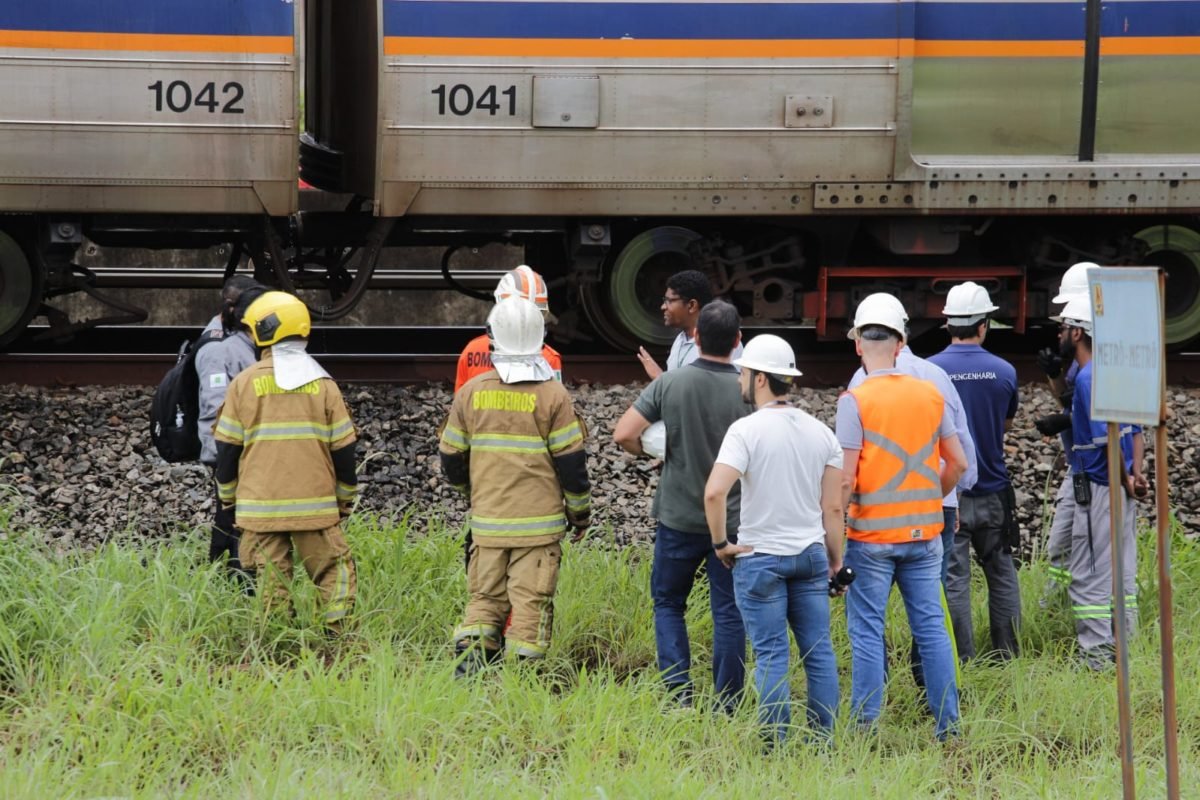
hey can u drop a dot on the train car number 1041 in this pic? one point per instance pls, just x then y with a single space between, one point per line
179 96
461 100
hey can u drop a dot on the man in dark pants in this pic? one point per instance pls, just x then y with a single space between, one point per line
987 385
225 351
697 402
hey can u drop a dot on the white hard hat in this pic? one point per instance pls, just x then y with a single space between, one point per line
968 304
1077 313
654 439
880 308
771 354
523 282
1074 282
516 327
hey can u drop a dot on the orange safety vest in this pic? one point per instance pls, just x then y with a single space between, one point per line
476 359
897 493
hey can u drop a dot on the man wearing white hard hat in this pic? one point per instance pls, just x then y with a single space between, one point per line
908 363
513 443
1091 565
987 385
697 402
789 466
476 357
1062 383
902 456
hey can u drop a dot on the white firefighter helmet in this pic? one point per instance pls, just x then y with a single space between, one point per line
516 327
524 282
1077 313
1074 282
882 309
968 304
771 354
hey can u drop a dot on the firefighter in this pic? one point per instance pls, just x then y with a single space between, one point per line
512 441
285 460
476 357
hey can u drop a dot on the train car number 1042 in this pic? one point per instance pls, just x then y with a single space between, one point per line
179 96
461 100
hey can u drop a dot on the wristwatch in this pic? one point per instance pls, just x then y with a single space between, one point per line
721 545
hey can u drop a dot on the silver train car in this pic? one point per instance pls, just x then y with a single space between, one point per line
801 153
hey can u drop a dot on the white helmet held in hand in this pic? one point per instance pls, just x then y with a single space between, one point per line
968 304
771 354
524 282
1077 313
516 328
881 309
654 439
1074 282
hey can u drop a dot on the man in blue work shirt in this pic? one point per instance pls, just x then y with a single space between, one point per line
1091 564
987 385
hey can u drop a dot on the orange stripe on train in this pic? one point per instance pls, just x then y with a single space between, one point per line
159 42
783 48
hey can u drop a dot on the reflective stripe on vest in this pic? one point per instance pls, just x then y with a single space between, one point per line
897 491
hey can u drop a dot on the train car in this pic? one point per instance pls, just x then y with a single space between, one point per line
159 123
802 153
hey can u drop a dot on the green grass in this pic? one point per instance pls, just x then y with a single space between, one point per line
140 673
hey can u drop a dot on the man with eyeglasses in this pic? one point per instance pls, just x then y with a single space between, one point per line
687 292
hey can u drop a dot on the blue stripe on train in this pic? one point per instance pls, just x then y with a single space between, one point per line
195 17
932 20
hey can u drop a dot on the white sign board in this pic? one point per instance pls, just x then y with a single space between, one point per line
1128 359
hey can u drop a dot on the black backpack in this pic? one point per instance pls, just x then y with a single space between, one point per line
175 411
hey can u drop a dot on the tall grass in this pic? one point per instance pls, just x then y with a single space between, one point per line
130 673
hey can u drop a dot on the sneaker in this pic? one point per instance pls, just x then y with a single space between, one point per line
682 696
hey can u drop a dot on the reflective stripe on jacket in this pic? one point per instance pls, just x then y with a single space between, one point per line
897 490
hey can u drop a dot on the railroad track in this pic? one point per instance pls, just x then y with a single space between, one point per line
138 355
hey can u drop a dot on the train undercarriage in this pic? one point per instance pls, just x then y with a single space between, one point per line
607 275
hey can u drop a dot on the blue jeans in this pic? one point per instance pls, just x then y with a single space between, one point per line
677 557
915 567
950 519
775 593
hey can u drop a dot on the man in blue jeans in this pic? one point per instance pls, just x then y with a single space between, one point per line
697 402
790 469
901 456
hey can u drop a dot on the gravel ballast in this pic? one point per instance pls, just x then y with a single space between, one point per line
77 466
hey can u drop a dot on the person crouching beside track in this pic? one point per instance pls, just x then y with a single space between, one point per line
227 351
790 469
285 460
514 443
893 429
697 403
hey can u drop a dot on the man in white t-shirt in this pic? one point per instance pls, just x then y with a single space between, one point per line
790 537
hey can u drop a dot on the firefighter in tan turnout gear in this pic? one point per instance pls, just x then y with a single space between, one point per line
513 441
285 462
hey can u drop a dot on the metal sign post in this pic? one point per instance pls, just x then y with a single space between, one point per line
1129 385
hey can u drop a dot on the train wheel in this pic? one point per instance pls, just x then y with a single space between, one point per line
20 289
629 313
1177 250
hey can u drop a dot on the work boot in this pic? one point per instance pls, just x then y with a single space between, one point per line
473 658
